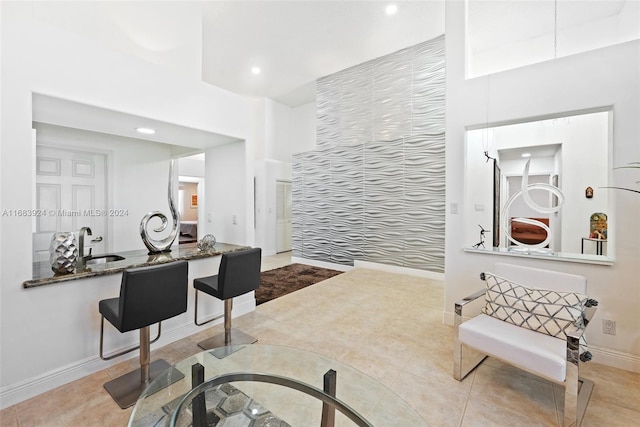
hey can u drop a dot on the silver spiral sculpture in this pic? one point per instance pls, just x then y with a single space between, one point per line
524 192
162 245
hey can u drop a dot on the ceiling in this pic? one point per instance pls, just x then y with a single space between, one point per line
293 42
536 151
63 112
296 42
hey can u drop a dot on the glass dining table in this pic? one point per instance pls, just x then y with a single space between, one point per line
268 385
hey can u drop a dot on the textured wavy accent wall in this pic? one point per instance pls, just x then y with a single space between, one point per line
374 188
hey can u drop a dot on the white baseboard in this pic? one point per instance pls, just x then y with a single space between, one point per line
615 359
399 270
371 266
322 264
26 389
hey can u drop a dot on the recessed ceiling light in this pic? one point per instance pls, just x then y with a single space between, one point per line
256 70
146 131
391 9
525 155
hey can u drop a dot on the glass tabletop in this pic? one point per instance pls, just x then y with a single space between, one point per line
254 400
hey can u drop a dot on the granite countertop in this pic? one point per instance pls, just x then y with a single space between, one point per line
43 275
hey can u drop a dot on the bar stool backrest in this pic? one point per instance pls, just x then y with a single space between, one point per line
151 294
239 273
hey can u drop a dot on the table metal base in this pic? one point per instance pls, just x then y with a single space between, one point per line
126 389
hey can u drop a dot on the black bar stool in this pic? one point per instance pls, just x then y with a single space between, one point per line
148 295
239 273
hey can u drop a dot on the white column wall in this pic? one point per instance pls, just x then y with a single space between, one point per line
226 214
280 131
59 321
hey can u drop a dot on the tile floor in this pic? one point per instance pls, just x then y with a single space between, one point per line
386 325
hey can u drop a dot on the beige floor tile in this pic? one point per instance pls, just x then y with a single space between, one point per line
439 400
8 417
479 413
74 404
330 345
389 327
251 322
390 349
600 413
371 365
168 353
509 369
186 347
429 359
622 388
503 387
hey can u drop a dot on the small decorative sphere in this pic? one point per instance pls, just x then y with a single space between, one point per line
207 242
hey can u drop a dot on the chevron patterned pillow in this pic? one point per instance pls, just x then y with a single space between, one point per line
545 311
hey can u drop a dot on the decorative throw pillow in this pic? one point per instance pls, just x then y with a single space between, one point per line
545 311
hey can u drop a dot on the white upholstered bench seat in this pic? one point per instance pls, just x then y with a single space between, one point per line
535 352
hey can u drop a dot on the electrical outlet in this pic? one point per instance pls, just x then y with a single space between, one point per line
608 327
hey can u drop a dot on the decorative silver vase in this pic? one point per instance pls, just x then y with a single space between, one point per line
63 252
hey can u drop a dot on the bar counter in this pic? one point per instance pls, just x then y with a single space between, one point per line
43 275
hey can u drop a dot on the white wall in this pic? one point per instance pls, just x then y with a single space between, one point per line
279 132
226 215
605 77
192 166
478 199
47 60
288 130
572 38
303 128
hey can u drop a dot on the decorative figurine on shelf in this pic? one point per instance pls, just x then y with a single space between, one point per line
481 242
162 245
207 242
598 226
588 193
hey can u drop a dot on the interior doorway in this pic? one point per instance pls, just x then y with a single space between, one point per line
283 216
190 202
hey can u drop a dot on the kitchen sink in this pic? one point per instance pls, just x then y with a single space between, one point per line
101 259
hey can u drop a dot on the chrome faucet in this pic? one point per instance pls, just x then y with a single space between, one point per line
81 257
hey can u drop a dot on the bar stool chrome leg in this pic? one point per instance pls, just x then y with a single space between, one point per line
230 336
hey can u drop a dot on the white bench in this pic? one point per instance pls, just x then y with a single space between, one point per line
543 355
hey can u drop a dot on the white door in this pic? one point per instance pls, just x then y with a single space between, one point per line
283 216
71 190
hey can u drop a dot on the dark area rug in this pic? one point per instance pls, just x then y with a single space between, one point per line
281 281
